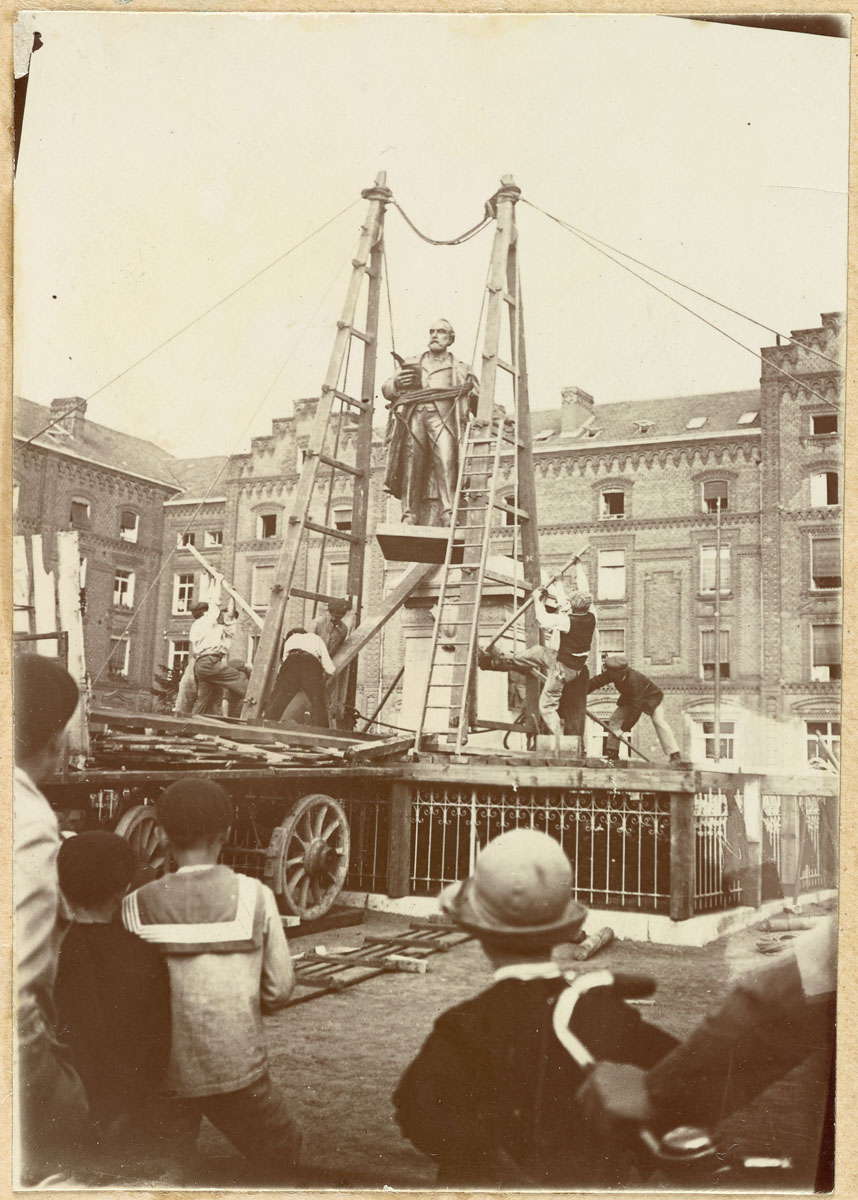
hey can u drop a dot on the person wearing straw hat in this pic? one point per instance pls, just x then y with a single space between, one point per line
490 1096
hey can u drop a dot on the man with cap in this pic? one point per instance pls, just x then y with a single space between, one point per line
571 623
637 694
51 1101
490 1096
210 635
333 631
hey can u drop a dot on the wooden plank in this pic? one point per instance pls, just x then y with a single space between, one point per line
382 749
71 620
368 628
399 842
22 599
682 853
44 600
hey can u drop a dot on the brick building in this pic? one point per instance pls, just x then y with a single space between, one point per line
110 487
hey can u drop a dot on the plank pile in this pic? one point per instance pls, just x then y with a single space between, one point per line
154 742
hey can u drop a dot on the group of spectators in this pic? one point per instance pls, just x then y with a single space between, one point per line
139 1010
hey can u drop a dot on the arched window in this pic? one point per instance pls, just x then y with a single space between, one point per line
129 525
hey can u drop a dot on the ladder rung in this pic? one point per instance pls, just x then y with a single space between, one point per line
358 333
328 531
505 366
511 300
510 508
304 594
352 400
339 465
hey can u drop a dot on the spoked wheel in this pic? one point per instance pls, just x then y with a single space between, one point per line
140 829
308 856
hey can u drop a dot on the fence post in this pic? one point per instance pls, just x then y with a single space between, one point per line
789 842
399 842
752 883
682 852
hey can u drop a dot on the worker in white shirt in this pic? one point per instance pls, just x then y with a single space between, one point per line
306 662
210 636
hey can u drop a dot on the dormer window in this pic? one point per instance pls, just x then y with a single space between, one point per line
696 423
748 418
643 426
591 432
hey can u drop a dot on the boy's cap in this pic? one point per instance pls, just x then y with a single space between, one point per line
615 662
338 608
519 894
581 601
45 698
194 808
94 866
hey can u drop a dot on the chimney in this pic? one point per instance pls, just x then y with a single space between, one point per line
578 408
72 410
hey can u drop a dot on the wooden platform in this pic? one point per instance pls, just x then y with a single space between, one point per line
417 543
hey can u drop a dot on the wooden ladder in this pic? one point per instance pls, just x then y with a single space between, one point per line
315 487
451 677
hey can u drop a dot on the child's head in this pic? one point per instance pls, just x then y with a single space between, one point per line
95 870
195 814
519 899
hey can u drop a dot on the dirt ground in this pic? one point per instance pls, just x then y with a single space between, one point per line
339 1057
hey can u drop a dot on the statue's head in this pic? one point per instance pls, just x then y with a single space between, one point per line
441 334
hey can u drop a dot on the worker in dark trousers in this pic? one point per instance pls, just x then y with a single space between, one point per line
637 694
306 662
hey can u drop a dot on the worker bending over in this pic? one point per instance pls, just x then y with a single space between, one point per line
637 694
306 662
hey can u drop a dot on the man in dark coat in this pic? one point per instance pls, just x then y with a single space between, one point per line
491 1094
637 694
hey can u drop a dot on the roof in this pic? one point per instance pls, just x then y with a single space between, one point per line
627 420
199 476
96 444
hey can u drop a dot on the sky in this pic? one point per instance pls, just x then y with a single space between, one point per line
168 158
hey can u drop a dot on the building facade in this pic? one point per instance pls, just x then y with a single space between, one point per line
111 488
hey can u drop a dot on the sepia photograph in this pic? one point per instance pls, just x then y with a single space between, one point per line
427 566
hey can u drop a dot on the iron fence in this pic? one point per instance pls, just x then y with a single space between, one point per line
716 885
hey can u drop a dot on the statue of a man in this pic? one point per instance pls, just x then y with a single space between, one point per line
425 429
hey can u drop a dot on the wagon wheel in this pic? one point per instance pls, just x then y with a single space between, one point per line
139 828
308 856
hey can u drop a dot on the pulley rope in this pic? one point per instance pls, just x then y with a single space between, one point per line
236 442
457 241
190 324
756 354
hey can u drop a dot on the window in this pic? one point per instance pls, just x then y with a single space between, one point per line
266 525
827 732
707 654
123 589
183 593
117 664
180 651
213 538
612 575
186 539
643 426
613 504
748 418
129 524
695 423
260 588
714 490
611 641
338 574
79 514
825 662
727 739
343 519
707 569
824 489
823 423
825 569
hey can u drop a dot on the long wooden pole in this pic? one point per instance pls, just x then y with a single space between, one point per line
524 607
227 587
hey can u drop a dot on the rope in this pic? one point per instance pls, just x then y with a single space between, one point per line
219 473
190 324
703 295
457 241
756 354
387 289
